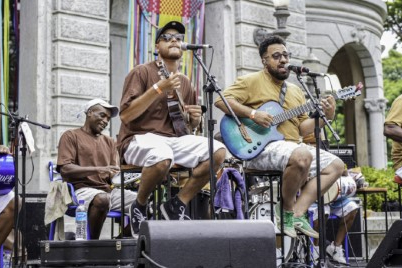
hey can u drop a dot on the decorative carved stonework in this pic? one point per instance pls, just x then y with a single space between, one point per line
358 33
259 35
375 105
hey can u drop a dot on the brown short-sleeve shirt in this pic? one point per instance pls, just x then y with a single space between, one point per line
156 118
80 148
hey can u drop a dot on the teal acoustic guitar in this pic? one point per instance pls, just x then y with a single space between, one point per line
246 146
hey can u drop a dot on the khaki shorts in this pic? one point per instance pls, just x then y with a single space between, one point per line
338 211
187 151
276 157
88 194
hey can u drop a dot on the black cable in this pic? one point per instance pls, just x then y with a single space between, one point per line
151 260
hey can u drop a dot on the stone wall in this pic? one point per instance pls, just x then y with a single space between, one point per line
68 48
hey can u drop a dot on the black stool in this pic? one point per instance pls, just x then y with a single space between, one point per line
366 191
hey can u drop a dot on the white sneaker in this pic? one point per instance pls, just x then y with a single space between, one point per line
336 253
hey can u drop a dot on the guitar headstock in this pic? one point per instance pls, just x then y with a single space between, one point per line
163 72
350 92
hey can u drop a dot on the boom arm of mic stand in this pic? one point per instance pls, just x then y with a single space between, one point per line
214 87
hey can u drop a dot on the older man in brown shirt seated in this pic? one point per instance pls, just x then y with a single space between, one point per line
88 159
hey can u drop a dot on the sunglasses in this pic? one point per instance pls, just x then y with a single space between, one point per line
168 37
278 56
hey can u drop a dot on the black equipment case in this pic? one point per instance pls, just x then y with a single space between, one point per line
111 252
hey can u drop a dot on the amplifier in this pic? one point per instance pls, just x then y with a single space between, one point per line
346 153
34 223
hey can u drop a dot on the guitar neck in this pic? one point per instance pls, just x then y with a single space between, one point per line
279 118
289 114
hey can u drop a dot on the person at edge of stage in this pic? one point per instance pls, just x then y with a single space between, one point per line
393 130
147 137
294 158
88 160
7 207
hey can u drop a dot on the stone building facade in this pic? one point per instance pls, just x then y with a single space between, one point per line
73 50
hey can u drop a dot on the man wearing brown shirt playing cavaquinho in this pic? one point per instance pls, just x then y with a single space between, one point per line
147 136
89 160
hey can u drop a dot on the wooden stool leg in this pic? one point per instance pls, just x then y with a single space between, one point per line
386 211
365 224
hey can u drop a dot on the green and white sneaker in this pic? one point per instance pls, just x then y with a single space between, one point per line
303 225
288 224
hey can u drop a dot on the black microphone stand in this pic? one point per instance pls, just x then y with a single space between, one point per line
317 115
14 125
209 89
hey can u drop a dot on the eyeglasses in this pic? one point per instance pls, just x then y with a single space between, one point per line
168 37
278 56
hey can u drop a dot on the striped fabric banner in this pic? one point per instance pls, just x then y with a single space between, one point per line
146 16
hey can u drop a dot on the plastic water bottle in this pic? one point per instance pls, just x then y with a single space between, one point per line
7 259
81 220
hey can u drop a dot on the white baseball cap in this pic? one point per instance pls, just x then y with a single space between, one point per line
103 103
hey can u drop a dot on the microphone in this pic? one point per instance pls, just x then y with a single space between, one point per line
185 46
297 69
302 69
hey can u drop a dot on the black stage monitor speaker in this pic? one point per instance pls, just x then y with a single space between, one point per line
346 153
389 252
207 244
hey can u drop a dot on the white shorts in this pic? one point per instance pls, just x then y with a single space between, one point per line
88 194
5 199
338 211
187 151
276 157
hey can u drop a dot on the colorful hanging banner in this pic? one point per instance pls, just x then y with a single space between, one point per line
4 65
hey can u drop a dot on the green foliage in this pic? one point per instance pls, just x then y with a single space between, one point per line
382 178
392 66
393 21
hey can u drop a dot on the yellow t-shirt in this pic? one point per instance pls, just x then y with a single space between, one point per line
395 118
255 89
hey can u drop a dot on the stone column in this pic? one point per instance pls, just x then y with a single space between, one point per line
64 63
376 111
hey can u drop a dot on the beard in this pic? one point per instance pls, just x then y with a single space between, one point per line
276 74
166 54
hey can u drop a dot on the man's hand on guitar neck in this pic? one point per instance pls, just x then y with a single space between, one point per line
328 105
195 113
